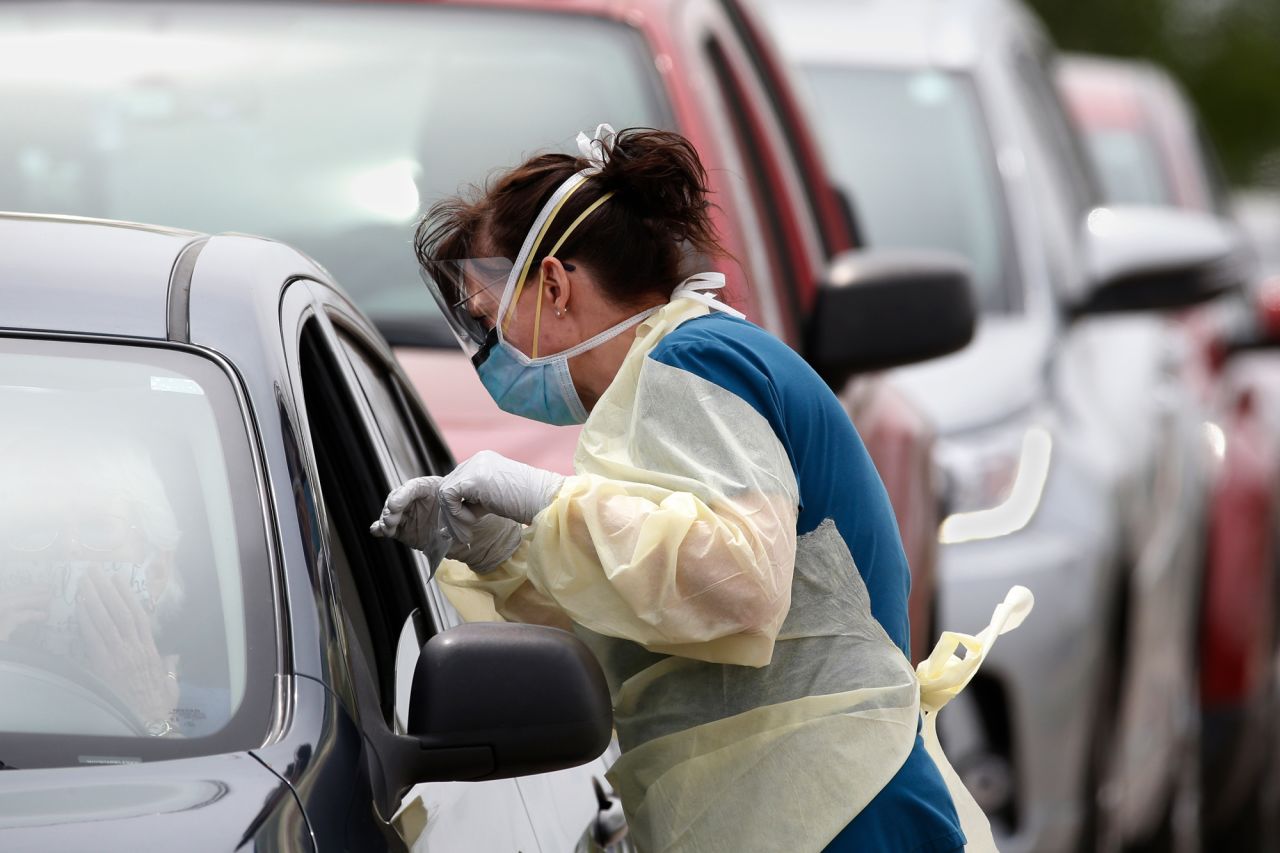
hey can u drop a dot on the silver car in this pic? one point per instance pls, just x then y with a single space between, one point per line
1076 462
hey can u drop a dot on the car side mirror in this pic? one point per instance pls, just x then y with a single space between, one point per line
1149 258
508 700
884 308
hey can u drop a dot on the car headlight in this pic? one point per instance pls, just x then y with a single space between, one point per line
994 483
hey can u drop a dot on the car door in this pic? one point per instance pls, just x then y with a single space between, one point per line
367 435
562 804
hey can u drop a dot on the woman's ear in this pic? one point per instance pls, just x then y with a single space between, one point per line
556 286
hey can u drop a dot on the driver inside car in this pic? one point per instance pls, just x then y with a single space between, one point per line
87 571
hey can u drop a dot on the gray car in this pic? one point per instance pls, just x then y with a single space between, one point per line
1076 463
196 432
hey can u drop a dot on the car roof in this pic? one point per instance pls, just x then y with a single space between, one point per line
951 34
1106 92
75 275
92 276
620 9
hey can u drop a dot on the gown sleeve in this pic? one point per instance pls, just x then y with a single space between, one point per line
677 533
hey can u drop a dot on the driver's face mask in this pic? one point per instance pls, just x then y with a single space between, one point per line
538 388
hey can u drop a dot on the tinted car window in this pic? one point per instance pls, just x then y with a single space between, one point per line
910 150
385 400
377 578
1128 166
329 126
747 137
135 582
1049 117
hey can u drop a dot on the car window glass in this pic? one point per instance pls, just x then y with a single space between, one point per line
770 74
1128 166
402 104
134 570
925 177
766 200
1211 163
1049 117
377 578
398 430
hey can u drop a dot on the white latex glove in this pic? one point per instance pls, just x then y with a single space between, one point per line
491 483
412 515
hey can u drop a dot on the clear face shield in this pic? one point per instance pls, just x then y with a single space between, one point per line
479 296
469 293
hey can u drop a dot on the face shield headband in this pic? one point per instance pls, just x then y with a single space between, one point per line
464 289
520 269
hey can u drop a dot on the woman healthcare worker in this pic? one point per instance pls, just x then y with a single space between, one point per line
725 546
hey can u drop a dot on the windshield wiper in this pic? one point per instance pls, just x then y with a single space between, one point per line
4 766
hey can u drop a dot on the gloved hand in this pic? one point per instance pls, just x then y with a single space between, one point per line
491 483
412 515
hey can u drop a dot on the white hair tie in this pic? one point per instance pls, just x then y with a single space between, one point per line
597 149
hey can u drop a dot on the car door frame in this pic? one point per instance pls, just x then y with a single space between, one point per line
385 750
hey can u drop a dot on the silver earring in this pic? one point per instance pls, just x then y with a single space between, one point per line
560 312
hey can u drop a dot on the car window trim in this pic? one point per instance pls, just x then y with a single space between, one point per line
340 377
784 259
831 224
439 459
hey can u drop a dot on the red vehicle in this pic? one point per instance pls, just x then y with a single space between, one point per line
1149 149
718 83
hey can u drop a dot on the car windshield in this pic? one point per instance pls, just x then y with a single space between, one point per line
328 126
1129 167
910 151
134 576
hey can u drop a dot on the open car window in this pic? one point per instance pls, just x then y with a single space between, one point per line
378 580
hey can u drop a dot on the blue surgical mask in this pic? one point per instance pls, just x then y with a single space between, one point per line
540 389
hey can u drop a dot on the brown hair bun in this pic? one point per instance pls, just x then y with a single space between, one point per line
636 243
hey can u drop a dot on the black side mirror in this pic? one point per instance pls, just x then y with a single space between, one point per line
883 308
509 700
1148 259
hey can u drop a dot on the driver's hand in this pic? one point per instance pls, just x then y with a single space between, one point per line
120 646
22 606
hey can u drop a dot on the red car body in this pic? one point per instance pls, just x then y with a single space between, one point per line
1137 102
729 95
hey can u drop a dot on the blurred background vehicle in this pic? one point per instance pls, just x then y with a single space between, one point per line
270 419
333 126
1149 148
1258 212
1076 457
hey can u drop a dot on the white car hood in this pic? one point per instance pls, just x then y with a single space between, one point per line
1001 371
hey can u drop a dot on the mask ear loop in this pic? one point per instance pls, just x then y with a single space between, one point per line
537 312
533 251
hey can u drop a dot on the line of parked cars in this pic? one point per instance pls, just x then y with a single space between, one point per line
1075 451
892 178
1149 148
